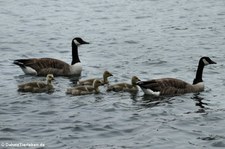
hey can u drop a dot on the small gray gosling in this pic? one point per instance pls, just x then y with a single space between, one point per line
126 87
83 90
38 86
104 80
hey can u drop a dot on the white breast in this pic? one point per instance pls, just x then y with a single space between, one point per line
76 68
199 86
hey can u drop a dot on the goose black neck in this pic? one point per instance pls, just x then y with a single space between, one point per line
198 77
75 57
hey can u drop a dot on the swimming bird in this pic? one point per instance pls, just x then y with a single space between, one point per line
104 80
37 87
173 86
44 66
83 90
125 86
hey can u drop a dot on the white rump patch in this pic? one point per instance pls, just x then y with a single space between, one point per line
150 92
76 69
29 71
205 62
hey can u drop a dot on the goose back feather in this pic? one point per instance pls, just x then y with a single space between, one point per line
173 86
169 86
44 66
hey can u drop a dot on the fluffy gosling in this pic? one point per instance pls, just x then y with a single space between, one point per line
37 86
83 90
125 86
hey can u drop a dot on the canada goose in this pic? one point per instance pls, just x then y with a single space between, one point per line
83 90
44 66
37 87
173 86
125 86
106 74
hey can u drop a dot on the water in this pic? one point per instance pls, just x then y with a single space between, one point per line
147 38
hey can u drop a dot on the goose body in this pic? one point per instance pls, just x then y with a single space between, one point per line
37 87
173 86
44 66
83 90
104 80
126 87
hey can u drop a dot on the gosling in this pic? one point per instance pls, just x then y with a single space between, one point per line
104 80
125 86
38 86
83 90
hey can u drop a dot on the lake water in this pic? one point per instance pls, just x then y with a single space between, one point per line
147 38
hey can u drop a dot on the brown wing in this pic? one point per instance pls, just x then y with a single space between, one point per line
164 83
172 82
44 66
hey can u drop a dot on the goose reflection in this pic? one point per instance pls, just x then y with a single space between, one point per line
199 101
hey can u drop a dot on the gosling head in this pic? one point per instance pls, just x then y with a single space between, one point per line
107 74
97 83
79 41
134 80
50 77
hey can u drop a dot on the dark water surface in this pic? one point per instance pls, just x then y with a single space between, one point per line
147 38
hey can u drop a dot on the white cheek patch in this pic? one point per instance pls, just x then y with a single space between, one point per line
76 42
205 62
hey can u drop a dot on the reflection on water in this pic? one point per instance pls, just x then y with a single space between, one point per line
199 101
149 101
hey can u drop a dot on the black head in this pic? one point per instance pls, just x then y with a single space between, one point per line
206 61
79 41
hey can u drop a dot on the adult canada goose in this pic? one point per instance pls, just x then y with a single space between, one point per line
125 86
83 90
172 86
44 66
106 74
38 87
